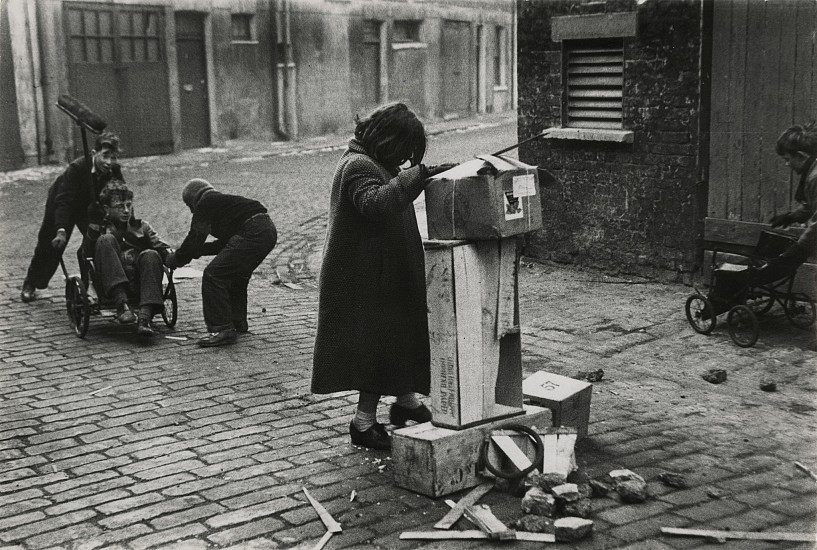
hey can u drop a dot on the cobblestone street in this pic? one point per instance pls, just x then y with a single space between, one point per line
117 442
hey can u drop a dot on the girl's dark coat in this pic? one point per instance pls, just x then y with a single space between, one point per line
372 325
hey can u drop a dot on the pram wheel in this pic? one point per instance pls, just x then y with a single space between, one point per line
700 314
77 305
742 324
170 305
800 310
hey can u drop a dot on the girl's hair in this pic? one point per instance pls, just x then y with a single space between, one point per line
115 189
392 134
798 138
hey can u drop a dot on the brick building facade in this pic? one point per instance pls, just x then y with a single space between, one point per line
625 84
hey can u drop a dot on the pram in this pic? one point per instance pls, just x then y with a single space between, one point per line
742 292
81 304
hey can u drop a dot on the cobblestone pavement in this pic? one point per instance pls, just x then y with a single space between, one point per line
114 442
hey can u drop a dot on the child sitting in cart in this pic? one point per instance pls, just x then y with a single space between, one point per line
128 257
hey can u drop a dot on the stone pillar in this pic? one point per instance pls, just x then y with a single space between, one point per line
25 54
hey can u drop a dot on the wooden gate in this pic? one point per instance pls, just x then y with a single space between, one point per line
764 78
117 66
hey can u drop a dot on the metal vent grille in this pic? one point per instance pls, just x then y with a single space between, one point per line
595 79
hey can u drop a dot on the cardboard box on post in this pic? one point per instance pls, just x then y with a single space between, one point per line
485 198
567 398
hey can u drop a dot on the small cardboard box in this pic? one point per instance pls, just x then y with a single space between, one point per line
567 398
436 461
482 199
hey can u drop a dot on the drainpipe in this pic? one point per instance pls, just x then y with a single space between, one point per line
285 73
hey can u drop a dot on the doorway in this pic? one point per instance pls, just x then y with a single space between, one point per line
192 68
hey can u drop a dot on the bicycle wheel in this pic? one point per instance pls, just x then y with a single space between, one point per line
742 324
700 314
77 306
800 310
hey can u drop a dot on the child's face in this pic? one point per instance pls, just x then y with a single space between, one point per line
119 211
797 161
104 159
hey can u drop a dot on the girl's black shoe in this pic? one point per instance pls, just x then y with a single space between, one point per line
398 415
376 437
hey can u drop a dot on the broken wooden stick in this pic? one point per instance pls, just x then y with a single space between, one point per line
331 525
743 535
805 469
324 539
509 448
459 508
481 516
473 535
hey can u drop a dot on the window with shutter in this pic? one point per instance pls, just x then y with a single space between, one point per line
595 80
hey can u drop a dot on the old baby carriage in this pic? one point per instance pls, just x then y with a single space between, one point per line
742 292
81 304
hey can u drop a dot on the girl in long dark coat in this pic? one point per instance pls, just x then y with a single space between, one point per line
372 326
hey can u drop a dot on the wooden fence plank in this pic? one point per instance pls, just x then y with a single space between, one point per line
737 137
721 122
756 84
776 102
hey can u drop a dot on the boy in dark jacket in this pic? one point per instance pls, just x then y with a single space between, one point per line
69 199
244 236
128 256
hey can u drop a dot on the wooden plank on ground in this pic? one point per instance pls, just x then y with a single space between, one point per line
473 535
458 509
331 525
741 535
481 516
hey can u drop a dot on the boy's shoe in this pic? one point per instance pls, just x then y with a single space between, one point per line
376 437
220 338
143 327
28 294
241 326
399 415
124 315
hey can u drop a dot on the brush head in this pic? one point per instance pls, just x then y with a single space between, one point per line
82 114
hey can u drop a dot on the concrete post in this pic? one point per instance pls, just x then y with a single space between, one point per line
22 27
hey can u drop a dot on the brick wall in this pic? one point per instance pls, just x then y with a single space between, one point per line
625 207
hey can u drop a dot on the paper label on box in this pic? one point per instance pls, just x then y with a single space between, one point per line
513 206
524 186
